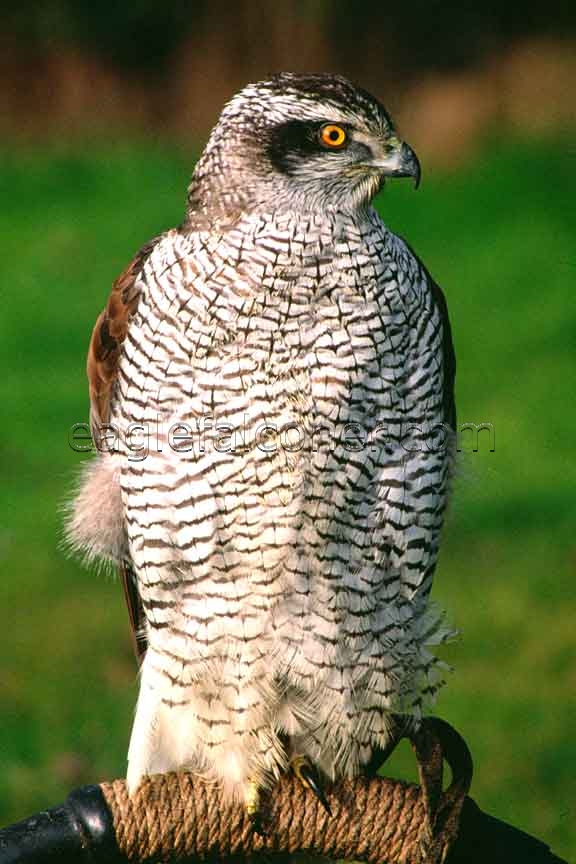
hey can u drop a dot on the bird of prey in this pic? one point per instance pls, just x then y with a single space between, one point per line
271 389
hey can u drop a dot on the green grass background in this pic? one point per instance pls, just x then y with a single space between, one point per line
499 235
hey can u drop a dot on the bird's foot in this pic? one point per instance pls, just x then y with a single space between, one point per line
309 776
433 742
253 809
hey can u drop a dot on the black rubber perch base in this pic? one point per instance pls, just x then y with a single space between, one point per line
79 830
482 839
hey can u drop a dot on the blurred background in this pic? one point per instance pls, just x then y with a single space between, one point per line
103 109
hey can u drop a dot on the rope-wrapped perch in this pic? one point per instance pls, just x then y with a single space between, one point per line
178 818
175 816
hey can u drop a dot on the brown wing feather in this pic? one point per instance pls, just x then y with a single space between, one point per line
108 335
102 367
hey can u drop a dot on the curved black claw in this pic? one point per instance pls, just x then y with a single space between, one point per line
308 775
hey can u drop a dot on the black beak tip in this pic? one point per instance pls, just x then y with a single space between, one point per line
411 164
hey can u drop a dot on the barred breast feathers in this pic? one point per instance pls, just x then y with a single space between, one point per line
299 327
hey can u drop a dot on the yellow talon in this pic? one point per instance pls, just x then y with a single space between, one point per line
252 805
252 798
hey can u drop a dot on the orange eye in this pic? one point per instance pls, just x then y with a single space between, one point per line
333 136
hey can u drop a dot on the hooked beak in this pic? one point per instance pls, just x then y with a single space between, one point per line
398 160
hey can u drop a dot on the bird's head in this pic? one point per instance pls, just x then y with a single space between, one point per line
299 142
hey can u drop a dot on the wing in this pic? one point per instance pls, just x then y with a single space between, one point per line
108 336
102 368
448 355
